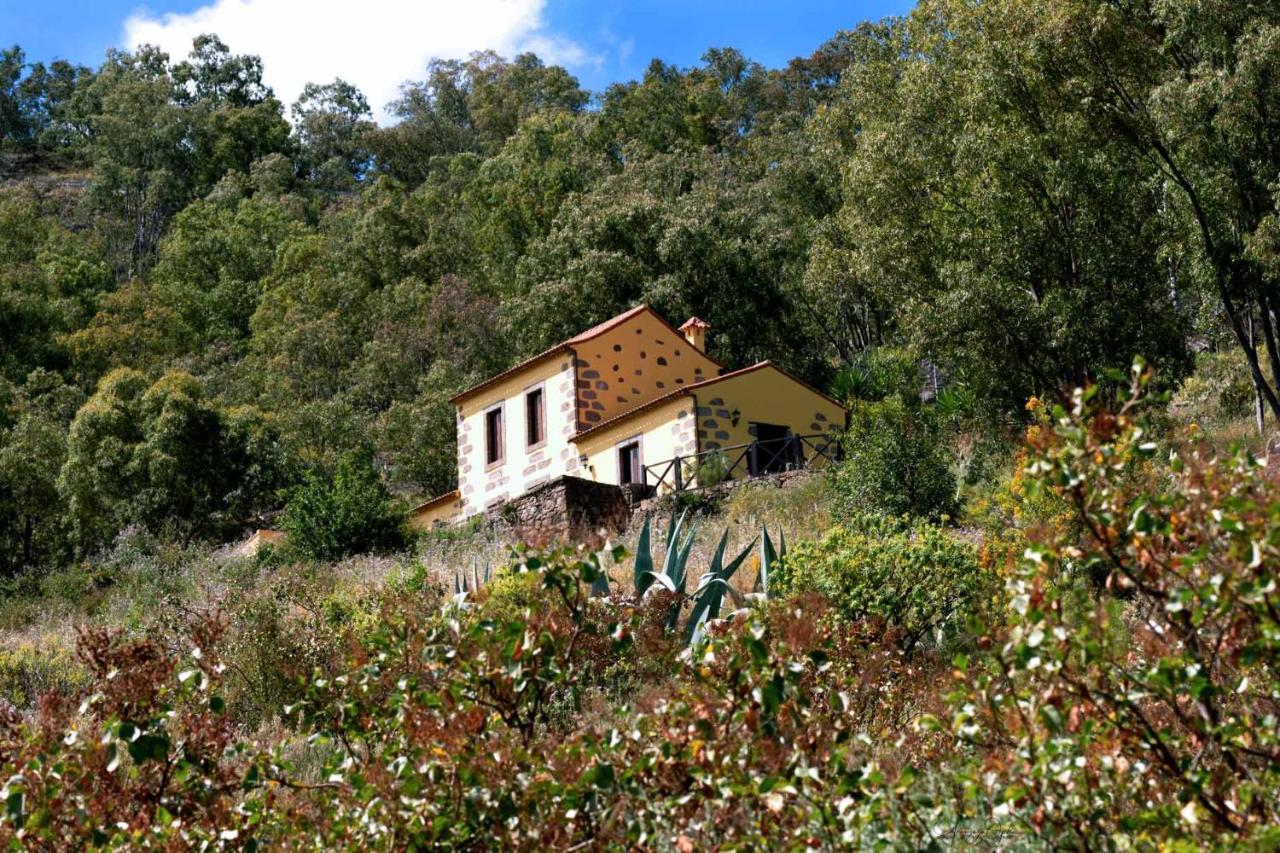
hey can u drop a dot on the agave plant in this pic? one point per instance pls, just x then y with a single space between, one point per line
674 575
769 557
709 596
460 583
675 560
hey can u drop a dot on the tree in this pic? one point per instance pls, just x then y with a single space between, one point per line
213 74
1015 241
472 105
234 117
689 233
346 512
48 93
163 455
1195 88
212 263
333 124
49 278
162 135
33 436
141 176
896 462
13 125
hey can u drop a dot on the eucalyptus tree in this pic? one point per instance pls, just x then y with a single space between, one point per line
333 126
1014 238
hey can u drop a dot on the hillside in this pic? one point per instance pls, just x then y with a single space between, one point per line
1033 248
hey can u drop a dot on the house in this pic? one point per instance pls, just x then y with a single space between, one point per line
636 403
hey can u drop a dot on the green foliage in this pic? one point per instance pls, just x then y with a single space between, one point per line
1157 691
895 463
333 125
479 695
29 670
161 453
674 574
713 586
345 512
712 469
35 102
544 717
982 201
877 374
1011 197
917 579
1218 391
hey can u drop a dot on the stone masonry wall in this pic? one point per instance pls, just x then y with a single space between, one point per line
565 509
571 509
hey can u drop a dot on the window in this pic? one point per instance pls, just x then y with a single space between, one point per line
494 446
535 418
629 470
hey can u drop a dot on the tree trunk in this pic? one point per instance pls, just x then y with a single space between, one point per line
1258 412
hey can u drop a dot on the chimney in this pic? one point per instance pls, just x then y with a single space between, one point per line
695 332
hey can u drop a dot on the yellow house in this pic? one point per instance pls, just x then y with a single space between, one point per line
636 403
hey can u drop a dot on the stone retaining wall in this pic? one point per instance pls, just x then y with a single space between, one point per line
566 509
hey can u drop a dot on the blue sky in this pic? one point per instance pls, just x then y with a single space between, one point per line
378 43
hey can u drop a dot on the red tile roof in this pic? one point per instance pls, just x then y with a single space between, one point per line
601 328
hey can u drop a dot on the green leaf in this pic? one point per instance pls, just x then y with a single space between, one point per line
13 806
768 557
728 571
600 584
599 776
644 559
149 747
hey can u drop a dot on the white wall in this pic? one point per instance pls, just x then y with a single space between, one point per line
522 468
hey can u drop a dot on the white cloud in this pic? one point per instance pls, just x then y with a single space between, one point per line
375 44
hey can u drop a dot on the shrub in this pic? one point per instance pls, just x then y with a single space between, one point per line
895 463
29 670
712 469
544 714
349 512
1219 390
272 652
1147 707
509 595
916 579
149 751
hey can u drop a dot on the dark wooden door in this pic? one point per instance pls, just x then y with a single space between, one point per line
775 449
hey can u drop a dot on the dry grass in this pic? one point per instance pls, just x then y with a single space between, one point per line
141 582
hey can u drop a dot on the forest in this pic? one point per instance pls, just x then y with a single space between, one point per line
1033 245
